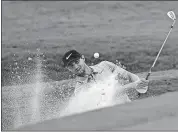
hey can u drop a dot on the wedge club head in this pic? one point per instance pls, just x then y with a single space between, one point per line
171 15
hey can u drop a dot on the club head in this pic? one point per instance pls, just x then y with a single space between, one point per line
171 15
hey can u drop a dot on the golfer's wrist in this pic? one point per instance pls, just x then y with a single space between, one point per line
135 84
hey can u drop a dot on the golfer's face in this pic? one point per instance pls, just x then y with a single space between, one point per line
76 66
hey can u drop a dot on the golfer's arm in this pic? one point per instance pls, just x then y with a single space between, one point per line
132 79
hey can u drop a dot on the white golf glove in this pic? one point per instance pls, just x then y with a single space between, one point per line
142 85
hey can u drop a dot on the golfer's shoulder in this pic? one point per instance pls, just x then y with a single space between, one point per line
113 67
107 65
103 64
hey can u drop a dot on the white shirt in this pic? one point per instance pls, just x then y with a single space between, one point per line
104 75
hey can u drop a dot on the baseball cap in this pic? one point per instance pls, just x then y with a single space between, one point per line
70 56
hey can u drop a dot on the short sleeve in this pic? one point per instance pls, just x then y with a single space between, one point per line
116 69
113 67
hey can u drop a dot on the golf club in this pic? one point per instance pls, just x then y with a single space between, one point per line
173 17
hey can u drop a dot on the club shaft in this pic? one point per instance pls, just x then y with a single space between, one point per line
160 50
163 45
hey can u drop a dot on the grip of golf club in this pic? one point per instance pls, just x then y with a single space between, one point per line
145 89
147 76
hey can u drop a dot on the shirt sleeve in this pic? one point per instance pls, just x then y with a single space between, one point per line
122 74
116 69
113 67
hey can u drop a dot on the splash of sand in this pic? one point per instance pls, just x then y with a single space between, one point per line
99 95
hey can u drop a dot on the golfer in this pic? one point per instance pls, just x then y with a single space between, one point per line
75 63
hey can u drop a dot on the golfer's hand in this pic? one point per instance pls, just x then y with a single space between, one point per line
142 83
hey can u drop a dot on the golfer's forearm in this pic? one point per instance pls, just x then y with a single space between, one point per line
129 86
133 77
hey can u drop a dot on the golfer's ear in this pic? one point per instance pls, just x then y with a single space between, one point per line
83 57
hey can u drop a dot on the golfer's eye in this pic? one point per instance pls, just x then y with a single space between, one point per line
76 61
70 65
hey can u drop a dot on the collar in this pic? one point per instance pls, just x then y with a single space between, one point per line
95 70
